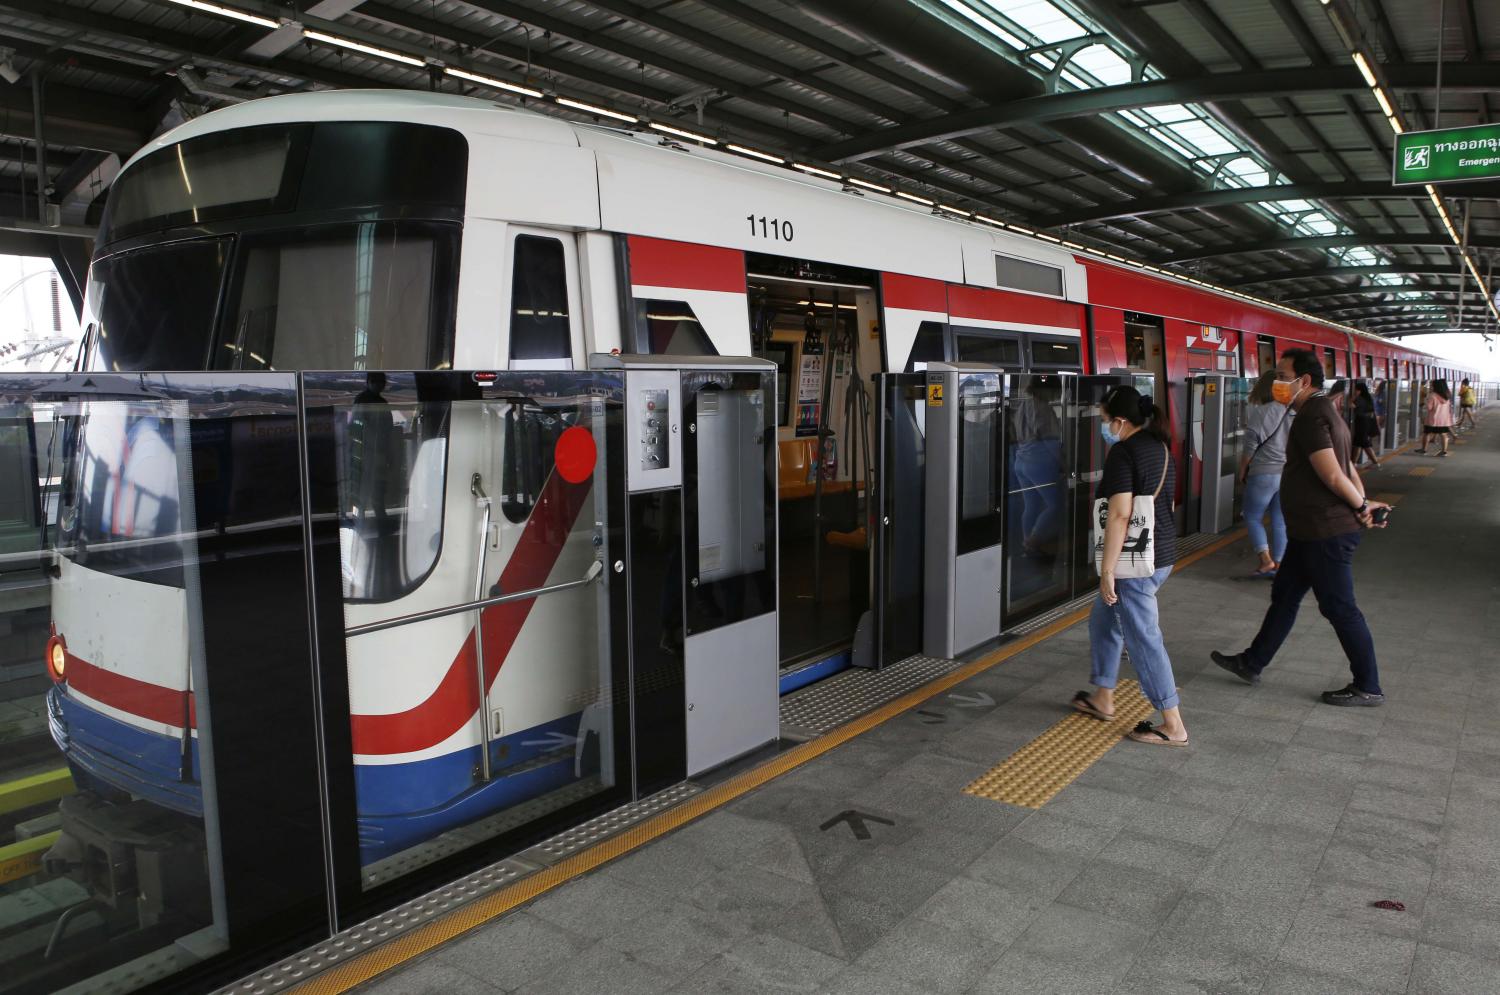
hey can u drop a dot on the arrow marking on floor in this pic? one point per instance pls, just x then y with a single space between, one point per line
856 822
932 718
976 700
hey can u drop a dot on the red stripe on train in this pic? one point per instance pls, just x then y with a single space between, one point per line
1003 305
657 262
168 706
914 293
454 701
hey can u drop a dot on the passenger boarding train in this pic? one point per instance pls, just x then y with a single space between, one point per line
403 231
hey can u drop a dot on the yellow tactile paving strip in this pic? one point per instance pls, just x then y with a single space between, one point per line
1421 471
386 956
1043 767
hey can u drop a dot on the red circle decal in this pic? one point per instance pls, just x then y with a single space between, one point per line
575 455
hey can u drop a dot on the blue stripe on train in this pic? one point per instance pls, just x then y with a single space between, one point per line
400 805
114 757
404 804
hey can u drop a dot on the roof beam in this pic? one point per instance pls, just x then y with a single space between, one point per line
82 119
1460 77
1320 242
1333 272
1349 190
1404 307
1371 289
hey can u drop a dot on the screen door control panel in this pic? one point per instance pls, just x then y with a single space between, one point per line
655 453
653 428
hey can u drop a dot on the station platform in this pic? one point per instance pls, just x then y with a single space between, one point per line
1249 862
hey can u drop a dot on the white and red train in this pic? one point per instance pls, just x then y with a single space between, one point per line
400 231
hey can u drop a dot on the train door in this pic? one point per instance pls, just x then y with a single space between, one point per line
819 324
1145 348
543 300
1265 349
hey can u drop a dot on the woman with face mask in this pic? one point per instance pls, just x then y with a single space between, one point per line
1124 614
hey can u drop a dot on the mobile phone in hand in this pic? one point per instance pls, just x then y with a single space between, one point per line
1379 515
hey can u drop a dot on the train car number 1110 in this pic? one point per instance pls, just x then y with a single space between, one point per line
773 228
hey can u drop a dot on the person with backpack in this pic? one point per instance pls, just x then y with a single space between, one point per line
1135 547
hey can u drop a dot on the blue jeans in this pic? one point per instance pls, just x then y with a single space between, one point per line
1131 622
1262 492
1326 566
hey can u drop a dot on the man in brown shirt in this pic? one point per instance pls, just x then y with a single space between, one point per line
1325 508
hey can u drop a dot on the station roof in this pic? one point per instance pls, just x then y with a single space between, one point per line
1233 141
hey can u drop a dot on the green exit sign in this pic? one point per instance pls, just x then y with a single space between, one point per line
1447 155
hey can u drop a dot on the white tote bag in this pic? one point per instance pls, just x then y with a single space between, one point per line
1138 555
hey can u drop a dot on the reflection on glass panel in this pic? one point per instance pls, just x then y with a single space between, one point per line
979 446
448 495
1036 562
729 514
731 423
135 500
1236 397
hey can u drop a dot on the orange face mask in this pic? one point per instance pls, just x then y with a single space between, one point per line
1283 391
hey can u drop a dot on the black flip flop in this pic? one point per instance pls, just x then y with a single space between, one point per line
1082 703
1147 733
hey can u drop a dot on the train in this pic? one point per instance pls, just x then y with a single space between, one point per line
390 232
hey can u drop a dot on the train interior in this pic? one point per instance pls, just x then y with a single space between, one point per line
818 324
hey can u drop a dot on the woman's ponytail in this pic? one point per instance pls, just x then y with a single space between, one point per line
1138 409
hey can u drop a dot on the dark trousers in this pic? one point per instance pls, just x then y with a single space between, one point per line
1327 567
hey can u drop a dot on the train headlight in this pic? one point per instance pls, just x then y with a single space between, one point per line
57 658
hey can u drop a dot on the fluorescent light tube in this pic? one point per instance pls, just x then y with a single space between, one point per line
1364 70
497 84
379 53
238 15
691 136
913 197
1385 104
816 171
756 154
579 105
867 184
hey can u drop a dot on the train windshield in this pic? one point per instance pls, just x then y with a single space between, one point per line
366 296
154 308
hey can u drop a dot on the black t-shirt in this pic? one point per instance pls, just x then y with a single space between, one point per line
1311 510
1135 465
